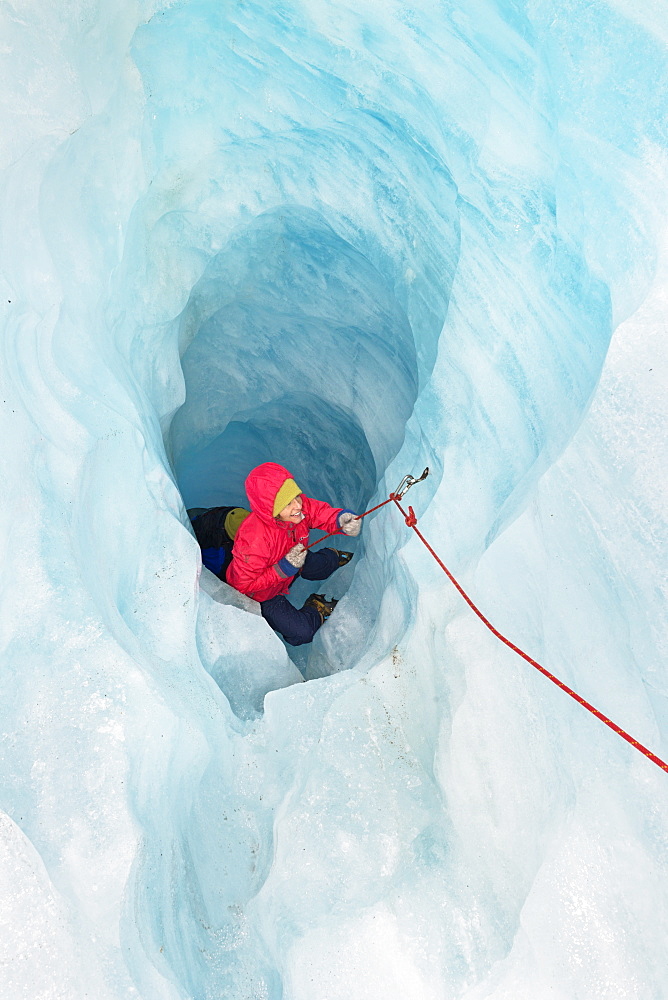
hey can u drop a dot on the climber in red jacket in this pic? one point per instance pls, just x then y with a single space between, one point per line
270 551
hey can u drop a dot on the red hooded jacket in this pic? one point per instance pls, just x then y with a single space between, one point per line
263 540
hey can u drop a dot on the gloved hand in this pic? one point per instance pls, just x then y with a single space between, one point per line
296 556
349 523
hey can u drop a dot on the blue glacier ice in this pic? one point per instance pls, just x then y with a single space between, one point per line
357 239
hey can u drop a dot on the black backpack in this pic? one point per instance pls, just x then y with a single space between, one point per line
214 540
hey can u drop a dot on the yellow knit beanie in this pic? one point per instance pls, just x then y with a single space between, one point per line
288 491
234 520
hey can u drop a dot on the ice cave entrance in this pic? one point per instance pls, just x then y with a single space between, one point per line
294 350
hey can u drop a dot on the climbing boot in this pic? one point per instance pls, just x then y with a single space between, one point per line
321 605
344 557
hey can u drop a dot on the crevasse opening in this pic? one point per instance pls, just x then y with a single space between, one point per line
295 349
297 352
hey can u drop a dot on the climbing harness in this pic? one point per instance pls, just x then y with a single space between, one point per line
411 522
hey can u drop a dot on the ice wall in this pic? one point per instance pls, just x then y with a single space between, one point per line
359 239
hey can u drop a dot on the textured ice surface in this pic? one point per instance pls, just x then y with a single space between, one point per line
357 238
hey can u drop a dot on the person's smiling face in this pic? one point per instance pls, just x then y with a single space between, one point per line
293 511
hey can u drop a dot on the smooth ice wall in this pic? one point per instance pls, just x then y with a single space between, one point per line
403 827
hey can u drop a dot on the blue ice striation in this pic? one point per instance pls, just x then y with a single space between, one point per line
357 238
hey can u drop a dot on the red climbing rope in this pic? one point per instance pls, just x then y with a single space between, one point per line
359 518
411 521
403 486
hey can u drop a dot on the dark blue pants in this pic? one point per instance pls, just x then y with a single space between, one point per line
299 625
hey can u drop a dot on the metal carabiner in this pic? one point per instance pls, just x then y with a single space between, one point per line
406 484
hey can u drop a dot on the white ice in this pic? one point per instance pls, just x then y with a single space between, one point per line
359 239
